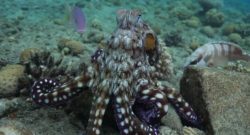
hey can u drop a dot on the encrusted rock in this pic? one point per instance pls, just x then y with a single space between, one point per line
9 76
220 97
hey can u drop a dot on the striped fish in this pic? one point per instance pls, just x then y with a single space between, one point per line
216 54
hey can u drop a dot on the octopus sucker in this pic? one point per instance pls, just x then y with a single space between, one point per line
126 73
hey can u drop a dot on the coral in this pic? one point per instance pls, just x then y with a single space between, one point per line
193 22
209 4
44 64
194 44
235 37
247 41
229 28
208 30
243 29
9 79
240 66
95 36
172 38
74 47
214 18
95 23
26 55
181 12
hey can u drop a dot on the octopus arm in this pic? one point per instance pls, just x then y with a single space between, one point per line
127 122
151 105
183 108
100 102
49 92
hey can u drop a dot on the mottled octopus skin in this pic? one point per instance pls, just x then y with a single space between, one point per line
125 73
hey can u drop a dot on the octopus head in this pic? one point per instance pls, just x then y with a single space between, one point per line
126 19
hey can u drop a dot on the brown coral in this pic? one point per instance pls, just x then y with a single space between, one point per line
75 47
9 76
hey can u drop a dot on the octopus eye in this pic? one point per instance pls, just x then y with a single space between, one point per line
149 42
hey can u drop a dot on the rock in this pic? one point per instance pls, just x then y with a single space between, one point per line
192 131
235 37
13 130
220 97
8 106
214 18
167 131
172 120
9 78
43 122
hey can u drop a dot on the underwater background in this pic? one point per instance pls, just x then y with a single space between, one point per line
31 26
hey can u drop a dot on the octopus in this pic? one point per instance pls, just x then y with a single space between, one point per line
124 73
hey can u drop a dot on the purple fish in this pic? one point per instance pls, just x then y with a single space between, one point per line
78 19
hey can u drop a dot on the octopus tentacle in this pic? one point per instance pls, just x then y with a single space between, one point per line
99 105
151 105
127 122
49 92
181 106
